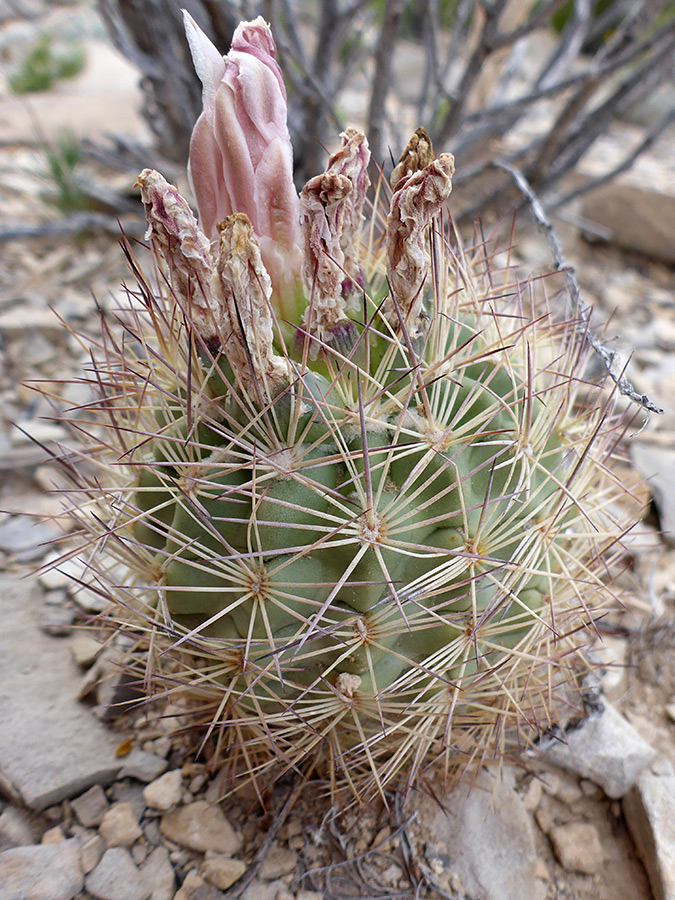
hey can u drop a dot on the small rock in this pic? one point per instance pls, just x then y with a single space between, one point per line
649 808
577 847
605 748
139 853
195 888
165 791
483 838
53 836
161 746
25 538
91 806
270 890
222 871
158 873
657 465
15 829
92 853
41 872
279 861
142 766
309 895
200 826
119 827
59 749
57 621
117 878
124 792
84 649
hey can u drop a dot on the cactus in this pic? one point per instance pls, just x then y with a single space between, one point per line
353 497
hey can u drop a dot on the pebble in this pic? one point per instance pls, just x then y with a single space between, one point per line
649 809
57 621
309 895
657 464
200 826
222 871
15 829
120 827
577 847
158 873
605 748
270 890
92 853
53 835
483 838
117 878
279 861
195 888
142 766
165 791
84 649
26 539
59 749
41 872
91 806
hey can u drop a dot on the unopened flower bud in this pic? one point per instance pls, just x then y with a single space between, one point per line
241 159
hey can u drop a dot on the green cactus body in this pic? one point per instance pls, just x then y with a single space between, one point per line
373 563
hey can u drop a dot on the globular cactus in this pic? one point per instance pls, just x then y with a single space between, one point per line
352 499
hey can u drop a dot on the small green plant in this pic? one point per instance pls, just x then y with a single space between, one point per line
63 157
44 63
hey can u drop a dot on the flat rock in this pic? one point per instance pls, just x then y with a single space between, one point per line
222 871
200 826
142 766
41 872
278 862
604 748
577 846
158 873
26 539
637 208
116 877
15 829
165 791
120 827
657 465
649 809
91 806
51 747
481 844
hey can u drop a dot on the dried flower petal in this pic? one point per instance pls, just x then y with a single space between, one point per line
324 202
186 250
352 160
419 152
243 289
414 204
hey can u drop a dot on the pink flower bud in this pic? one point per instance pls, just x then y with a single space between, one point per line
241 159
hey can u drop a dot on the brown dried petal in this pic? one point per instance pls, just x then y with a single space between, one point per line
352 160
414 204
324 204
186 250
243 290
417 155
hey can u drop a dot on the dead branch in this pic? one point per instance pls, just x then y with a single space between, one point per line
579 309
